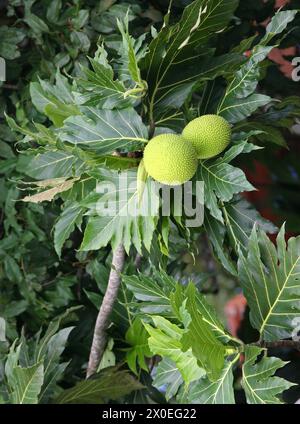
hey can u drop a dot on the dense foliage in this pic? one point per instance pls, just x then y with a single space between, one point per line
88 84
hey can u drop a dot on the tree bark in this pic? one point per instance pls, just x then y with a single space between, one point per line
102 322
138 261
293 344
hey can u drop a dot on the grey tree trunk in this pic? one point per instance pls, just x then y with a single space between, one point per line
102 322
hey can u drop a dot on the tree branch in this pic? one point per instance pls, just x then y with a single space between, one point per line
151 129
279 343
10 86
211 267
138 261
102 322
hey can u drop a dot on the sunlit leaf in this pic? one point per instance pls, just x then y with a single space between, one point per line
104 130
219 392
167 378
258 381
165 340
137 337
270 280
121 217
222 180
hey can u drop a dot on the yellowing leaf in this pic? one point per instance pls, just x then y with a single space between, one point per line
48 195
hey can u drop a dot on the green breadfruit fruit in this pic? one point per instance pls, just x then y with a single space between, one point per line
169 159
209 134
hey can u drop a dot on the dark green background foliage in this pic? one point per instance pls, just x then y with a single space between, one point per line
55 257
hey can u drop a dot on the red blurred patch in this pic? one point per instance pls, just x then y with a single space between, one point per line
278 56
260 174
261 179
234 312
281 3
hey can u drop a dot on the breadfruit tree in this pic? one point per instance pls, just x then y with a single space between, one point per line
151 112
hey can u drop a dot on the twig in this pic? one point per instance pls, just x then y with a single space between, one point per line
10 86
99 338
293 344
138 261
151 129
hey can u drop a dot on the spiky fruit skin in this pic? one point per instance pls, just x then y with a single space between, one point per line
170 160
209 134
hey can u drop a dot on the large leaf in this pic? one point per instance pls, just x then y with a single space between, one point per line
41 134
99 88
169 120
70 217
153 293
27 383
222 180
165 340
198 334
53 369
270 280
259 385
218 392
104 131
39 360
167 378
196 340
24 382
9 40
174 52
108 384
36 24
210 317
240 217
235 109
239 100
137 337
278 24
182 82
54 164
154 296
120 216
131 52
55 101
41 346
80 189
216 233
